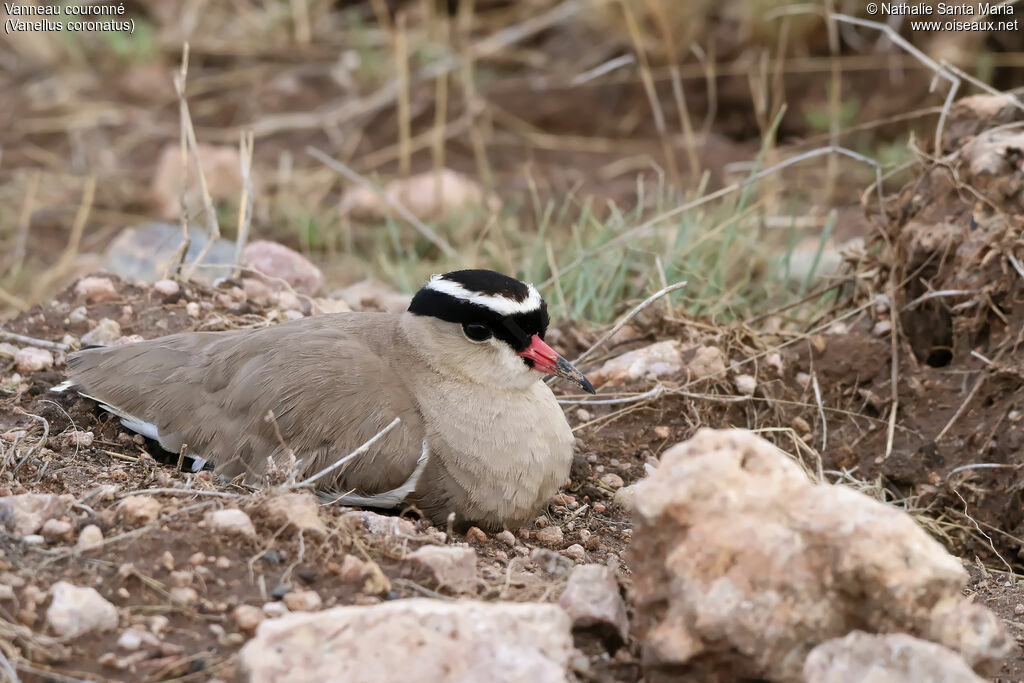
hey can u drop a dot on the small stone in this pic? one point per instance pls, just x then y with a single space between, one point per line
613 480
275 609
248 617
26 513
576 553
139 510
6 593
55 530
89 537
130 640
745 384
79 315
1019 609
600 507
801 426
96 290
476 534
297 511
592 599
231 522
192 309
383 525
222 563
183 595
166 287
506 537
657 360
551 535
31 359
563 499
453 567
583 415
302 601
352 569
196 559
81 439
274 263
76 611
662 432
803 379
106 333
181 578
882 328
33 539
8 350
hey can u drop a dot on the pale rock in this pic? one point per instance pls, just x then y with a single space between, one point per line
324 306
296 511
454 567
89 537
166 287
230 522
383 525
439 641
105 333
888 658
96 289
592 599
506 537
353 569
222 170
275 610
130 640
273 263
882 328
612 480
657 360
662 432
6 593
373 295
741 566
803 379
550 535
256 290
139 510
302 601
192 309
707 361
247 617
626 497
31 359
183 595
576 553
287 301
475 533
8 350
430 195
33 539
55 530
745 385
75 611
81 439
26 513
774 360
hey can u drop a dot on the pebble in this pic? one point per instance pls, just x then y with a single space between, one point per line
551 535
31 359
196 559
166 287
662 432
583 415
303 601
106 333
6 593
81 439
184 595
506 537
476 534
222 563
192 309
1019 609
613 480
75 611
275 609
139 510
57 530
248 617
576 553
801 426
130 640
96 289
563 499
231 521
89 537
745 384
600 507
33 539
79 315
881 328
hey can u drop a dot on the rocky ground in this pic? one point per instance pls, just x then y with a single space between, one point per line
761 554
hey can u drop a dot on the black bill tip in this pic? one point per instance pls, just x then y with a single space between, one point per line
567 370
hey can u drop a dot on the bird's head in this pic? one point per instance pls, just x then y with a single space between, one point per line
491 327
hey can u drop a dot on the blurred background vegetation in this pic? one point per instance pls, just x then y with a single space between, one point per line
585 135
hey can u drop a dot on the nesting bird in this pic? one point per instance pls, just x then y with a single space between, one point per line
480 435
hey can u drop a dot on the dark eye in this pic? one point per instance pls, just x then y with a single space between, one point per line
476 332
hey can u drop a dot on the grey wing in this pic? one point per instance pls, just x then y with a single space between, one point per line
328 392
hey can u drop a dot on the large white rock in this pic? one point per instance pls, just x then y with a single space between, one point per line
741 566
592 600
76 611
414 640
890 658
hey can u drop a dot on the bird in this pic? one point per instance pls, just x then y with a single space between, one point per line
480 435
